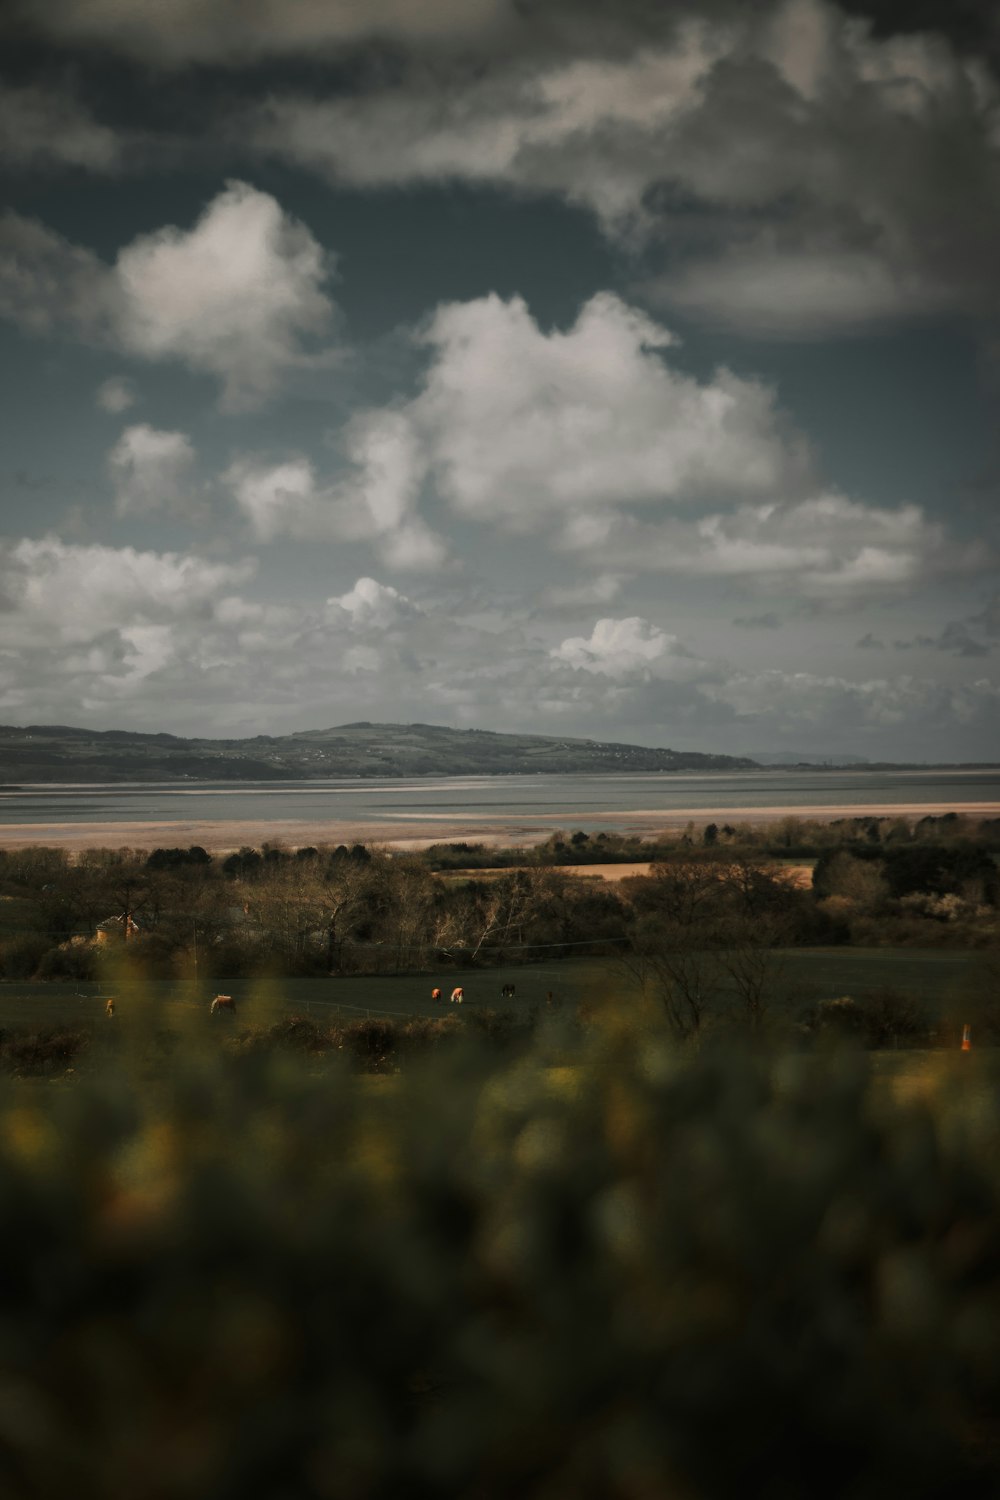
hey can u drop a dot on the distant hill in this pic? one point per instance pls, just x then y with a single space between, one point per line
60 753
781 758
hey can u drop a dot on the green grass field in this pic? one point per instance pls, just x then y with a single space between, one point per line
940 978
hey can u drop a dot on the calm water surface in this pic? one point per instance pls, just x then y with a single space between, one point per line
584 801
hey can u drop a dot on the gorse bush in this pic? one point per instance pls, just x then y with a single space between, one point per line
41 1050
589 1270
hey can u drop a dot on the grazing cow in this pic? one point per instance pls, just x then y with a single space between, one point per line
507 992
549 997
457 995
223 1003
109 1006
435 994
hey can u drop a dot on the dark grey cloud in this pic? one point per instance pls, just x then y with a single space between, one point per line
988 619
792 169
955 638
49 126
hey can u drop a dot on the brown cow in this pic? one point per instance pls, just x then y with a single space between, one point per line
109 1006
457 995
435 993
223 1003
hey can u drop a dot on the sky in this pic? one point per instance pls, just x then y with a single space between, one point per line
628 372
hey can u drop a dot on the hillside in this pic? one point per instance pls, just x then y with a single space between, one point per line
60 753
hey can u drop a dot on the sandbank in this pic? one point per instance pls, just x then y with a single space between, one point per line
416 832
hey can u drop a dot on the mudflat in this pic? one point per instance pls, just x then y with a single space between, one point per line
221 836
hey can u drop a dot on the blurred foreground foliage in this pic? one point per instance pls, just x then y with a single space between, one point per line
591 1265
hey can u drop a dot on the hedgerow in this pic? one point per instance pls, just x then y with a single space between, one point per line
591 1269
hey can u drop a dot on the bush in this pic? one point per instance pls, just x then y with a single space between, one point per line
77 959
500 1028
883 1018
293 1033
20 956
841 1019
891 1016
482 1282
371 1043
426 1032
42 1050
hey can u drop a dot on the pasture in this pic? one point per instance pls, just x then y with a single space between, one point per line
941 979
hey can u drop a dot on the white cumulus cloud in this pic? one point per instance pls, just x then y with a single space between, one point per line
153 471
233 296
237 297
619 648
372 604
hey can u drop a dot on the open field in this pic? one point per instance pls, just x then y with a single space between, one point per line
939 978
797 872
613 872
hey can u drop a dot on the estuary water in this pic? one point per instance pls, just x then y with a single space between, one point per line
462 806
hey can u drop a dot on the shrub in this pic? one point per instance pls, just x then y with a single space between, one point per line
426 1032
294 1033
484 1283
41 1050
20 956
371 1043
892 1016
841 1019
499 1028
77 959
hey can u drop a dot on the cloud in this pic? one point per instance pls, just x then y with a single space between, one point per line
113 635
373 604
585 128
825 547
46 282
592 440
797 173
768 621
763 286
955 638
90 627
527 430
236 297
620 648
890 708
61 591
278 498
375 501
116 395
232 297
602 589
151 471
177 32
988 619
40 127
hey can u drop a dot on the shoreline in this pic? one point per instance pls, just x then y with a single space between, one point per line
416 831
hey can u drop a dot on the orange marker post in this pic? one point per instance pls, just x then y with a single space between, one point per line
966 1039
